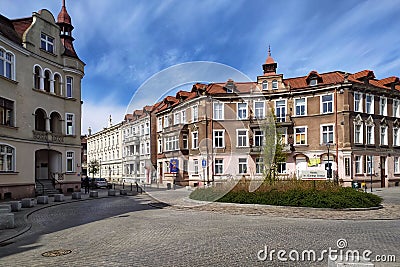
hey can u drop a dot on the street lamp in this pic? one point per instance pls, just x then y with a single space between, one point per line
370 169
329 165
100 166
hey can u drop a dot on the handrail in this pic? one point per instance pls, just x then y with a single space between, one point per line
54 180
38 181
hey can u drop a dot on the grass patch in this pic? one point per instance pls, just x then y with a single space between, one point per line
295 193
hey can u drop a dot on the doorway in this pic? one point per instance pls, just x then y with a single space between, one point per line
383 171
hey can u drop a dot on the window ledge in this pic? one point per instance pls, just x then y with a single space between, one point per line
9 173
301 145
8 79
48 93
8 127
47 52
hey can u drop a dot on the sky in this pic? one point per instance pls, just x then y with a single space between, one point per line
126 42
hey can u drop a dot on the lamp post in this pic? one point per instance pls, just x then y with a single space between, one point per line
328 175
100 166
370 170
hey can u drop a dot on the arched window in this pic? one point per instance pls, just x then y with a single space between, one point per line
275 84
7 64
265 85
36 77
7 158
55 123
47 77
40 120
57 84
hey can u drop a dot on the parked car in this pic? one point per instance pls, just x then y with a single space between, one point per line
100 183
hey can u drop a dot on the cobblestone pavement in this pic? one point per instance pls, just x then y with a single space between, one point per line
126 231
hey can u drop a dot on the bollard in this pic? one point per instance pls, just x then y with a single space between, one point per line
15 206
43 200
131 187
93 194
76 195
7 221
123 185
28 202
112 192
58 197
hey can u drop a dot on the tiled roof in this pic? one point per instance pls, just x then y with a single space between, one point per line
63 16
326 78
362 74
21 25
7 30
389 80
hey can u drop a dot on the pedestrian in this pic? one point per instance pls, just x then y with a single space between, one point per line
86 183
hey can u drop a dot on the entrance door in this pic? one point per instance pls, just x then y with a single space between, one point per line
383 171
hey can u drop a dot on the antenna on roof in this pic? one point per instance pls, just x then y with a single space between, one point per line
269 50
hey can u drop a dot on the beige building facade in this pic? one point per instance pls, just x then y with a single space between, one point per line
40 105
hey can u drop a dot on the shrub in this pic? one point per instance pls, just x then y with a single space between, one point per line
296 193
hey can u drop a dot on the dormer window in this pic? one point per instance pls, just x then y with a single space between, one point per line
313 81
47 43
274 84
229 88
265 85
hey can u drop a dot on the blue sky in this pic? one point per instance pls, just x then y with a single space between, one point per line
125 42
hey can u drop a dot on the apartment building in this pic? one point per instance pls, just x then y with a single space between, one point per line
40 104
105 147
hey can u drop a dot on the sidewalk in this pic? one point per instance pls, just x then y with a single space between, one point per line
22 224
179 199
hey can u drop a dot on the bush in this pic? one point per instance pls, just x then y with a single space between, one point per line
296 193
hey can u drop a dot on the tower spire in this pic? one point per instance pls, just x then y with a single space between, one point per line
64 21
270 65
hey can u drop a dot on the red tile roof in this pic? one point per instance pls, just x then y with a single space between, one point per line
21 25
389 80
326 78
362 74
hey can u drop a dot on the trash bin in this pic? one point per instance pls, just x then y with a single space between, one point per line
168 186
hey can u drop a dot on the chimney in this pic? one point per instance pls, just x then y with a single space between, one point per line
89 131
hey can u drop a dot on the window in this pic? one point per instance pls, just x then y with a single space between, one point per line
218 111
160 147
159 124
396 137
242 165
147 128
185 141
142 129
358 164
259 110
369 104
241 138
383 106
281 167
196 166
357 102
313 82
69 87
195 140
183 116
166 121
229 88
370 164
177 118
219 141
47 43
6 64
259 165
347 166
70 124
70 161
185 165
396 110
147 148
282 136
396 165
258 138
327 134
195 113
218 166
370 134
280 110
7 158
300 105
6 112
242 111
384 136
171 143
301 135
358 138
274 84
265 85
327 103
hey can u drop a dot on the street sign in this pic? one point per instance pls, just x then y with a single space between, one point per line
174 165
204 163
313 174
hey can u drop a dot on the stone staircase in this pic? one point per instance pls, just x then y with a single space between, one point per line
45 187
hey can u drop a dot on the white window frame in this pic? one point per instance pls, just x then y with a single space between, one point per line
396 163
177 118
259 161
396 108
218 166
72 132
241 110
5 154
185 141
282 135
160 146
328 133
361 134
183 116
280 118
242 162
358 102
68 158
159 124
196 166
328 104
166 121
259 136
358 163
305 135
372 140
49 43
369 104
220 137
7 64
264 85
396 136
369 167
259 112
347 166
195 113
195 140
383 106
275 85
218 110
296 104
383 133
282 168
242 136
69 88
